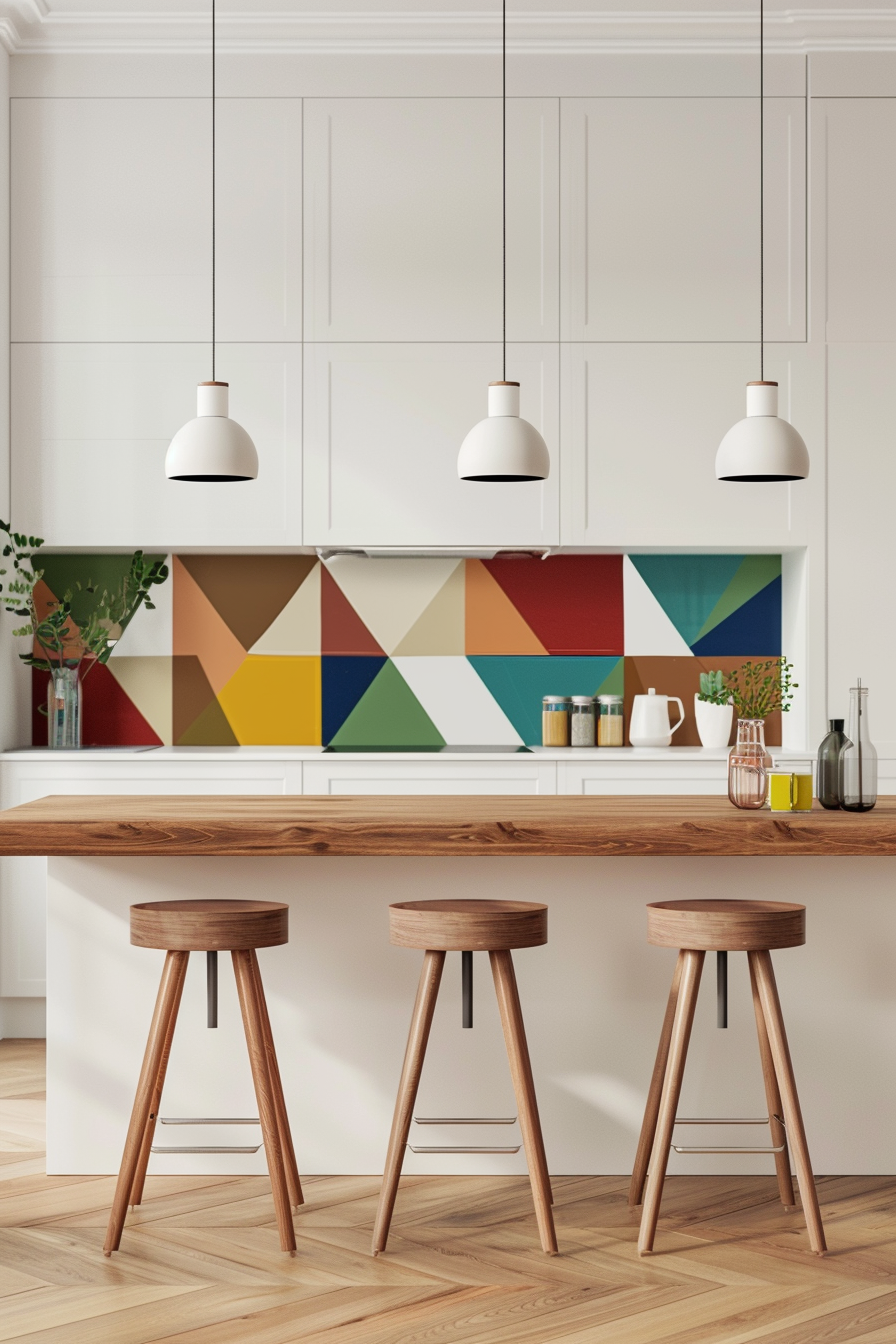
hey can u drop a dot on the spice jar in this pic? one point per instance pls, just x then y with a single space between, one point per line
609 723
581 721
555 721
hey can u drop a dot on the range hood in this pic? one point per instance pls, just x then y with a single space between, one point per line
327 553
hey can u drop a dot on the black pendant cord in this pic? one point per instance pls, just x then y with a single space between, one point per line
762 190
504 190
213 189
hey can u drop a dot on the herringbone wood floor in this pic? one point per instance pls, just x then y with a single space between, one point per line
200 1262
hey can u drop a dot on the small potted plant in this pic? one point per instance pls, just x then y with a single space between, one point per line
59 646
756 690
713 709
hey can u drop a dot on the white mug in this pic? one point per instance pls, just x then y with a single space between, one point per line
649 725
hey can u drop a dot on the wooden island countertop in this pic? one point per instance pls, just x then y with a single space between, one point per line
115 826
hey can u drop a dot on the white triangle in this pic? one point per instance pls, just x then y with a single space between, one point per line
458 701
296 630
649 633
390 594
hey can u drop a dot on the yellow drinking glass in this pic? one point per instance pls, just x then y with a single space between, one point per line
780 791
802 786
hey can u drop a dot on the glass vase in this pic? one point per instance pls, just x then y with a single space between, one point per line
64 707
858 759
748 765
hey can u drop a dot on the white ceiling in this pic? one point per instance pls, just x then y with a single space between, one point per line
399 26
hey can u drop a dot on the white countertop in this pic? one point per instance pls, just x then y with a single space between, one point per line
603 754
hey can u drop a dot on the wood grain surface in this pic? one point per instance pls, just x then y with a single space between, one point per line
397 825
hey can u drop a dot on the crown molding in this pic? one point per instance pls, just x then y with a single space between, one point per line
45 26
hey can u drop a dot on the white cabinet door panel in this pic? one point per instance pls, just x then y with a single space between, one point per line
641 426
518 778
660 219
403 219
111 219
854 217
91 426
383 425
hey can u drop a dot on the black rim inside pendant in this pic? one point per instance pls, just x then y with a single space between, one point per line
757 479
203 477
502 478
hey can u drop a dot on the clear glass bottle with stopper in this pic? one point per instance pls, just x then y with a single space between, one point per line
858 759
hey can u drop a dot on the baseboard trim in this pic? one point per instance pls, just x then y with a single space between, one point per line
23 1019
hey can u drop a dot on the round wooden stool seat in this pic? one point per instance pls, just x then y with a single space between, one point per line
209 926
726 926
468 926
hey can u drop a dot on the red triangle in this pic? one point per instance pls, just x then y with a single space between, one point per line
341 629
572 602
109 718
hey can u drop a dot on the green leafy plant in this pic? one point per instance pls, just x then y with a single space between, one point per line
59 638
714 688
760 689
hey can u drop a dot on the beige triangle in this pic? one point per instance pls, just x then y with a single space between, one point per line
148 682
297 629
440 630
390 594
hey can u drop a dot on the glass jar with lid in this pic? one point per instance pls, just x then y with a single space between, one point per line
581 721
610 721
555 720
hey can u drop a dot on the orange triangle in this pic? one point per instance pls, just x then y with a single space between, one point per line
493 624
199 630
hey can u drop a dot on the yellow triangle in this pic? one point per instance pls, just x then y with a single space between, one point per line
440 628
297 629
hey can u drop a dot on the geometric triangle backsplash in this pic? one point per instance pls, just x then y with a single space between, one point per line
287 650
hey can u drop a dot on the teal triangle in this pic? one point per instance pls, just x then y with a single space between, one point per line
388 715
687 587
518 684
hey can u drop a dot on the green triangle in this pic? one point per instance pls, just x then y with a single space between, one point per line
687 587
388 715
753 574
211 729
614 682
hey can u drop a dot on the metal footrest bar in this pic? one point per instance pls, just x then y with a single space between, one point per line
465 1120
209 1120
725 1120
729 1149
464 1148
208 1148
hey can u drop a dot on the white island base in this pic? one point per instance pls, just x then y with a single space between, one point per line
340 1000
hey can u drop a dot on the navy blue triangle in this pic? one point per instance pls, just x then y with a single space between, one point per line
344 679
754 630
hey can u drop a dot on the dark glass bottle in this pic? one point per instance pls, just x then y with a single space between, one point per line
827 786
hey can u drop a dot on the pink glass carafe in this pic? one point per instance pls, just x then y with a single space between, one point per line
748 765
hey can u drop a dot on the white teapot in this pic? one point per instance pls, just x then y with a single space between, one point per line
649 725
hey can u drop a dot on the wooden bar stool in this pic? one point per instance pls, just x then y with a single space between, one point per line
695 928
182 927
437 927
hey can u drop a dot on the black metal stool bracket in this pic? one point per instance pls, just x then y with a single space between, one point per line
211 988
721 989
466 980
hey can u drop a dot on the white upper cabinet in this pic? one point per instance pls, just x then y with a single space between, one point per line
91 423
660 219
641 426
854 218
403 219
111 219
383 425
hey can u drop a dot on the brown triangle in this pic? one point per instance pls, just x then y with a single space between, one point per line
191 693
211 729
341 629
249 591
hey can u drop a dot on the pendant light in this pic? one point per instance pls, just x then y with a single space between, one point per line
762 447
212 447
503 447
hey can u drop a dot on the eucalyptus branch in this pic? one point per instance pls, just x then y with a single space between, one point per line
762 688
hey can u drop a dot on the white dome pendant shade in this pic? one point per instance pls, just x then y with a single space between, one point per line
212 447
503 447
762 447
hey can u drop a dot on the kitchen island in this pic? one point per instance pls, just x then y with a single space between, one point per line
340 996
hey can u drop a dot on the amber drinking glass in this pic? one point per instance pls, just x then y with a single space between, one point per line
748 765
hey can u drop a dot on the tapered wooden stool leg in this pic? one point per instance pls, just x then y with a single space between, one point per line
652 1109
691 970
289 1157
136 1195
773 1100
761 964
524 1087
245 983
167 1003
421 1022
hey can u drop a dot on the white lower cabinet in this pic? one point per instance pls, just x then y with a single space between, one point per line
519 776
591 777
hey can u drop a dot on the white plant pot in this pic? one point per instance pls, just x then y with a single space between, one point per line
713 722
